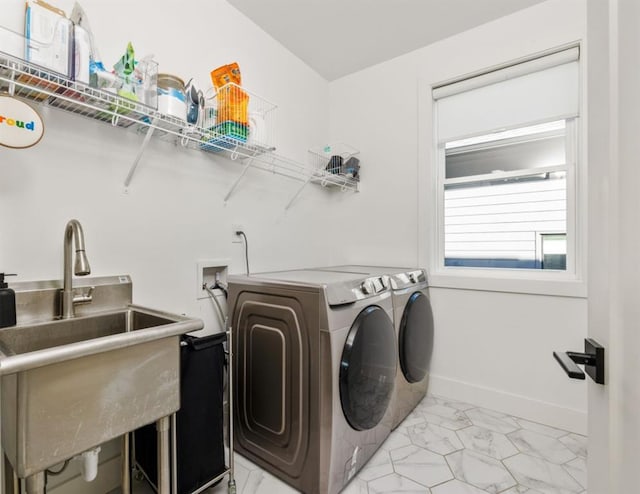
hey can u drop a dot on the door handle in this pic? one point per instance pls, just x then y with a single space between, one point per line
569 366
592 359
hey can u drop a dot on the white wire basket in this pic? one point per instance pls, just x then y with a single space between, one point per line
235 117
337 159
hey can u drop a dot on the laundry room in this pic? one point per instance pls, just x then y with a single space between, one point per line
343 246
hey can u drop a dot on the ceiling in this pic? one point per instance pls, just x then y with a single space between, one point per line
338 37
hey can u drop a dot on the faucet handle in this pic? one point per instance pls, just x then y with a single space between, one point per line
84 296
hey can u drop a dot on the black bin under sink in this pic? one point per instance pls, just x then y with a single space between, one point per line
199 422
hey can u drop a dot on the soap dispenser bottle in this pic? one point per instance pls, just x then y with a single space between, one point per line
7 303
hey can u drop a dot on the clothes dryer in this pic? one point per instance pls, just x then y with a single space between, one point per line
315 362
413 321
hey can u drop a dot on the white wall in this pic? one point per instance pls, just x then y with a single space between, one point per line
173 214
492 348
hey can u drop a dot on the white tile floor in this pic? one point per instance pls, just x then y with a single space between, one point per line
448 447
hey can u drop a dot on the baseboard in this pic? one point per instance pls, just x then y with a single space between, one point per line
520 406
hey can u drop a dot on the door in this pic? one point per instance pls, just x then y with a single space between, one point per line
613 32
415 338
368 368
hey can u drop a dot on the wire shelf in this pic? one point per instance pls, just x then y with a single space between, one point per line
31 82
337 160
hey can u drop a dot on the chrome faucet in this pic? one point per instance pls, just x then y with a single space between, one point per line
82 268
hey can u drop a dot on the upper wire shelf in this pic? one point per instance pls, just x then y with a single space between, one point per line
34 83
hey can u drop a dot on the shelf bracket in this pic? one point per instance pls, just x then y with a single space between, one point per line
12 83
295 196
235 184
136 161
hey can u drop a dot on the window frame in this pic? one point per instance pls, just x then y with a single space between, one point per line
570 283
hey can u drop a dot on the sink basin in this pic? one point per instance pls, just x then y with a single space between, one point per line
70 385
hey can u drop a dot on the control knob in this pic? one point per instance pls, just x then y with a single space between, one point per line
366 287
385 282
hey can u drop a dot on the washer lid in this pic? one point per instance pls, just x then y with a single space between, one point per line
400 277
340 287
312 277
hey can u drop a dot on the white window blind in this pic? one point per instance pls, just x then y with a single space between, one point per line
506 170
539 90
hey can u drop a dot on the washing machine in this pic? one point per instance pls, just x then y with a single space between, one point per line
315 361
413 321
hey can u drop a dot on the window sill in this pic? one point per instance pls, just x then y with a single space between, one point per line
509 282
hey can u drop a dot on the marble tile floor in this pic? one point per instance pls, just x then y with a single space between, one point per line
448 447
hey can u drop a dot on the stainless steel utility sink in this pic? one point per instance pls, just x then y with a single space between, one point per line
72 384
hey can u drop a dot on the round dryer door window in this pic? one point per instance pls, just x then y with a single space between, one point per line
415 343
368 368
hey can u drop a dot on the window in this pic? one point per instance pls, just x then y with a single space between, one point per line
505 198
506 169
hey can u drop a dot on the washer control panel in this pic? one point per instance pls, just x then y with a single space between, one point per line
373 285
408 278
359 289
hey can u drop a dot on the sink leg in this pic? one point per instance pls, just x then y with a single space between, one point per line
35 483
11 482
164 481
126 465
16 484
2 464
174 455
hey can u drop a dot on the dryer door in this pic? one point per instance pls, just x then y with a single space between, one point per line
415 341
368 368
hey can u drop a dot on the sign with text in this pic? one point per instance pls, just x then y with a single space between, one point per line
20 125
